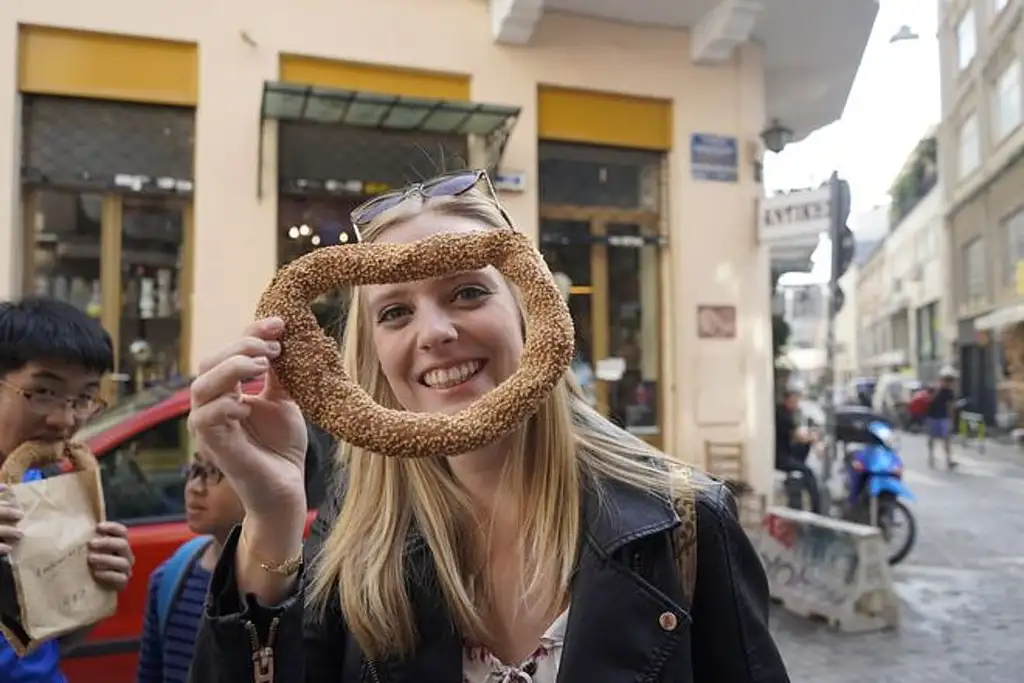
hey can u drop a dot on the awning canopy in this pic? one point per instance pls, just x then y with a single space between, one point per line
1000 318
335 106
290 102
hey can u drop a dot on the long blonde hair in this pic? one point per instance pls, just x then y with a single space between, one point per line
565 446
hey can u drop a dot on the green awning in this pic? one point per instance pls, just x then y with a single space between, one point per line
291 102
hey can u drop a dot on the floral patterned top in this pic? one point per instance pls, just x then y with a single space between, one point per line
480 665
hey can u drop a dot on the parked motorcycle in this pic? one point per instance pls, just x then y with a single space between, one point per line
874 479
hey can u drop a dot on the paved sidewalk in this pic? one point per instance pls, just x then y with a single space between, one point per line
962 586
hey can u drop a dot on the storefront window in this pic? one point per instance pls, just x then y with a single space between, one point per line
65 239
306 224
581 175
633 312
150 330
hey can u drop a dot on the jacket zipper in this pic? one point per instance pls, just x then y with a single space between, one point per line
372 667
262 657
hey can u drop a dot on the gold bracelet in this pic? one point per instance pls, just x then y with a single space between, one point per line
286 568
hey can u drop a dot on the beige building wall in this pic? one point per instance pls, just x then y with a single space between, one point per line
712 256
917 254
875 335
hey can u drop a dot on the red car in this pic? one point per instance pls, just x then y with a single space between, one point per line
142 445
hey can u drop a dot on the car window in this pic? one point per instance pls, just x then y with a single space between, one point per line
144 477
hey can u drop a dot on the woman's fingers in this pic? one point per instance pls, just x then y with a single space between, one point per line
225 377
221 410
258 339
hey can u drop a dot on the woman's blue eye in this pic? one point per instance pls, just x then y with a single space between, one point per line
389 314
471 293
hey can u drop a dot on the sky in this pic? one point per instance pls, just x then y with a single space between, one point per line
894 101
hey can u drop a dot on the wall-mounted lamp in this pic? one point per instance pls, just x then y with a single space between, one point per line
776 136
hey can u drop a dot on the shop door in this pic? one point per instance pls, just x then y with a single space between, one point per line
125 260
607 261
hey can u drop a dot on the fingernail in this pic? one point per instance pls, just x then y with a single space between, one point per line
262 362
273 348
275 323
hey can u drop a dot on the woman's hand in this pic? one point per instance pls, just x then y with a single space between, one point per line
258 442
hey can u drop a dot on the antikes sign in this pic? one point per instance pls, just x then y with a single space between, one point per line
794 219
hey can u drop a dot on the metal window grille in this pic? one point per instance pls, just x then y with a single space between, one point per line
583 175
70 141
310 155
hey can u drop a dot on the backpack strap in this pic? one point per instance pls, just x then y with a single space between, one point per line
685 535
176 570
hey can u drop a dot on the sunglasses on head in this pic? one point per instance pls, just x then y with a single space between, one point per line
447 185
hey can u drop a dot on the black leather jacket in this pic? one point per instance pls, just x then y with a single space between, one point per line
628 580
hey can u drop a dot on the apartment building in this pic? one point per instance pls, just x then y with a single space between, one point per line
982 170
876 346
901 287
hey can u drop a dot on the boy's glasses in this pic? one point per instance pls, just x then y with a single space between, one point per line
45 402
447 185
209 474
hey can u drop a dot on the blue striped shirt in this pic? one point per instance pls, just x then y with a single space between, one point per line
169 661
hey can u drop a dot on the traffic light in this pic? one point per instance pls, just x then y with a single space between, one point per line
843 242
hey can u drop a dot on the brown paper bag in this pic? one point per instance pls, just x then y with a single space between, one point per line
54 588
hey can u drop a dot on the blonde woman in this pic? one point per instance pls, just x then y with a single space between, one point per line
546 556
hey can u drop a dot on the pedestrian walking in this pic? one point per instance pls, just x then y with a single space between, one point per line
939 418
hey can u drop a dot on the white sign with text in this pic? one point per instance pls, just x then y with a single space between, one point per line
794 219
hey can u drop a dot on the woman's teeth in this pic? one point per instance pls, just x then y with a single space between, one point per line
450 377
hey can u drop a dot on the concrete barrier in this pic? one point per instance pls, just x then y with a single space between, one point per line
829 569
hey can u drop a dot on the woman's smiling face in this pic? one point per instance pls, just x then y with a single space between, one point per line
445 342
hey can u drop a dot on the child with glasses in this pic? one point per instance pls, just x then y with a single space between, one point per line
177 588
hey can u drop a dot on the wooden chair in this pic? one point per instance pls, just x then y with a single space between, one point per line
727 461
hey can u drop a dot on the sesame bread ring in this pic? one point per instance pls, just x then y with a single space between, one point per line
310 365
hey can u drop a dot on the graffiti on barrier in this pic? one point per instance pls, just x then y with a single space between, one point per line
815 561
781 530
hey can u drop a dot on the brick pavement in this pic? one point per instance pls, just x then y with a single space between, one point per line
963 601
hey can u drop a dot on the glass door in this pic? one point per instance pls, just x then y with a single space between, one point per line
63 246
607 263
123 260
151 312
565 247
634 334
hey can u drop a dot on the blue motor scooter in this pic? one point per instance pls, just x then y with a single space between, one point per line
874 477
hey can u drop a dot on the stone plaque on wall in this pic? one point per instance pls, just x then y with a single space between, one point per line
716 322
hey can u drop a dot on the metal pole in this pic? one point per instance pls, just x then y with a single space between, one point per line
830 350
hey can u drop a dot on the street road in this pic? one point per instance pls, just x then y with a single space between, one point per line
962 586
